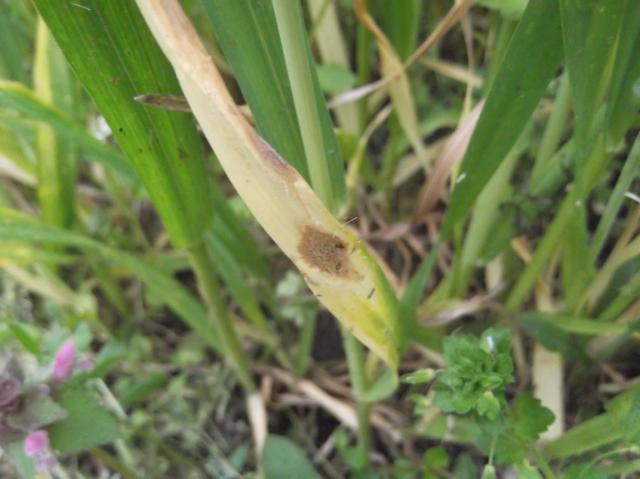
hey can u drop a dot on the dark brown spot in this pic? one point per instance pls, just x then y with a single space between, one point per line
326 252
182 154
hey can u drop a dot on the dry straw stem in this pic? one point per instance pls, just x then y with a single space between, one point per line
336 266
443 27
399 88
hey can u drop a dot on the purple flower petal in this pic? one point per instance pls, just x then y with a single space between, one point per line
36 443
64 362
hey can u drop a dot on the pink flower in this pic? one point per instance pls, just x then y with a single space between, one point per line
64 362
36 443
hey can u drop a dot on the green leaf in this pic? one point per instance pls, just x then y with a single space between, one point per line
590 29
282 459
584 471
530 62
143 389
530 417
489 472
624 95
575 325
115 56
630 171
477 372
110 354
488 405
324 160
589 435
335 79
400 21
88 424
420 376
16 22
625 410
56 166
38 411
508 8
436 458
526 471
383 387
17 97
248 35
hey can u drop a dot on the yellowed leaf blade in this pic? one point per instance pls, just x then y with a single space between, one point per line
336 266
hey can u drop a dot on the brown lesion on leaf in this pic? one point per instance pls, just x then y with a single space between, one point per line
326 252
273 158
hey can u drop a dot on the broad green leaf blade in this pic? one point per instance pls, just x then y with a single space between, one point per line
283 459
530 62
590 30
15 96
113 54
624 95
248 35
336 266
87 425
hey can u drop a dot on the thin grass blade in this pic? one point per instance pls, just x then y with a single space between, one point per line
530 62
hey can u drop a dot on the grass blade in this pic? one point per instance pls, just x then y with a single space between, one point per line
56 168
16 96
590 30
630 171
97 38
248 35
530 62
624 99
324 160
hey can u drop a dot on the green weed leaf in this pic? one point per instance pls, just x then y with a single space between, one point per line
282 459
478 370
88 424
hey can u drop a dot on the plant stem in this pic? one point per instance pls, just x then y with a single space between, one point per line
359 383
210 289
305 344
113 463
554 128
543 464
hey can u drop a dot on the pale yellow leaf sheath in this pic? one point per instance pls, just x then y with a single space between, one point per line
336 266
